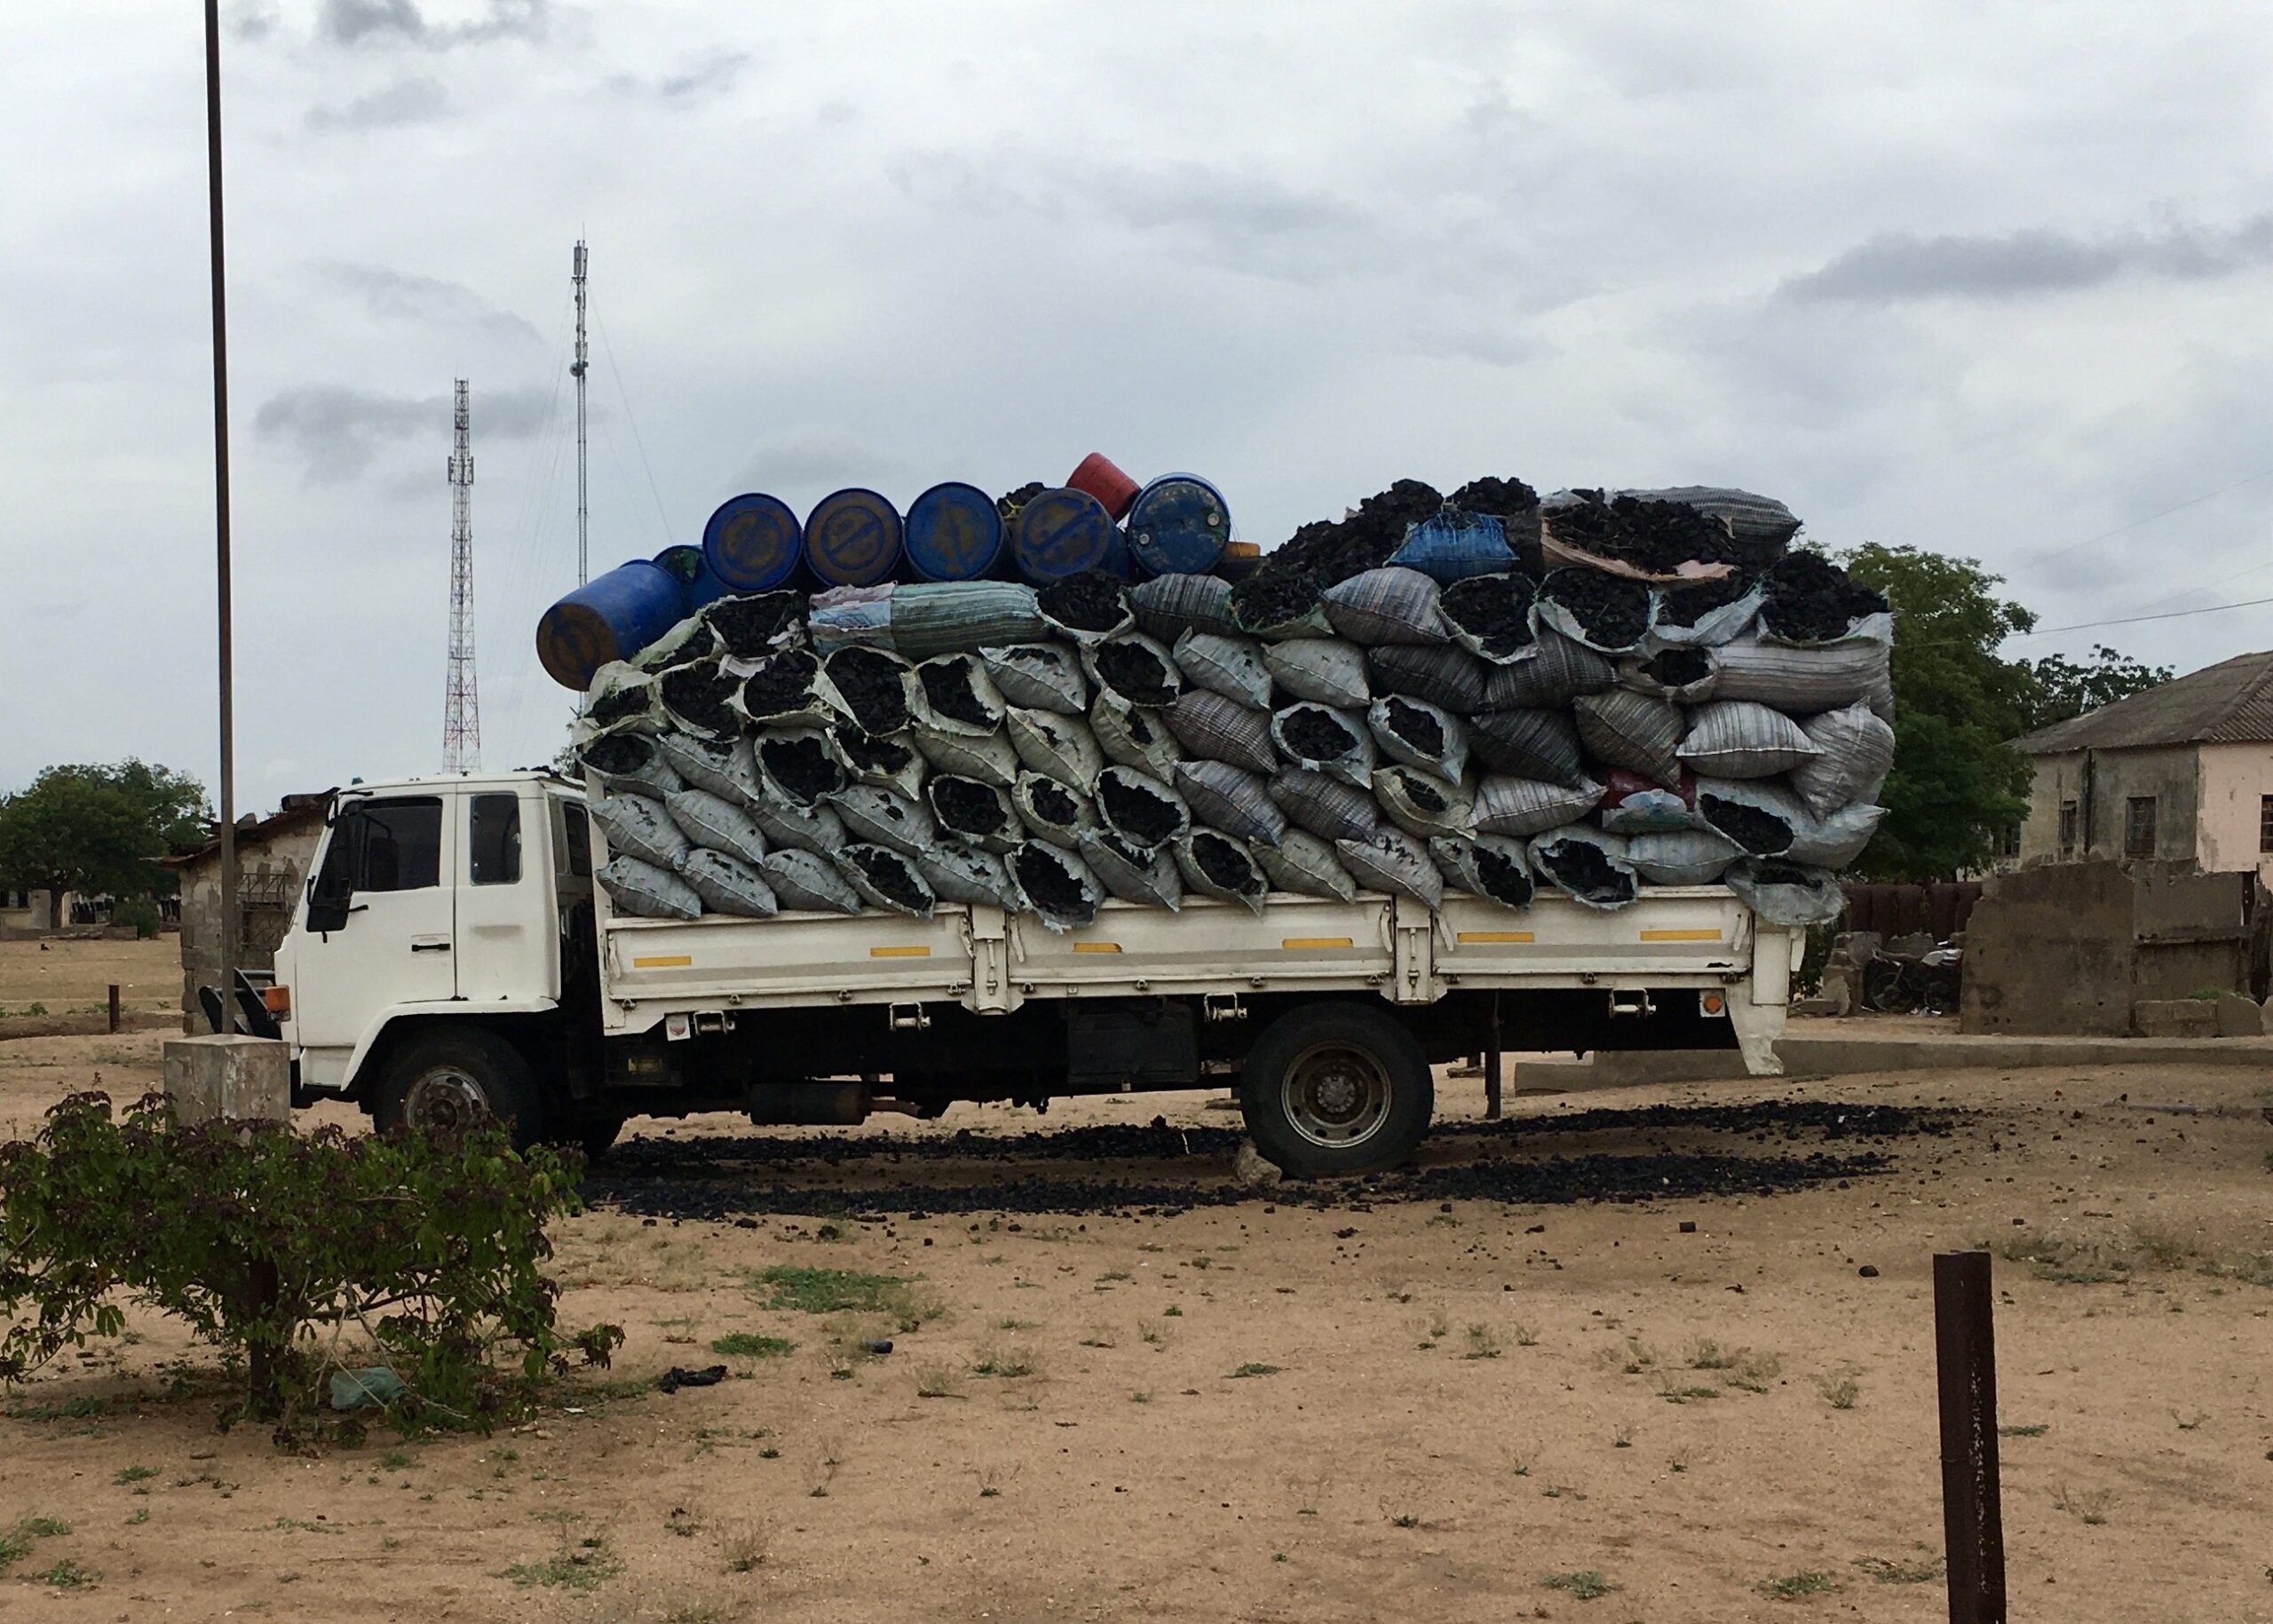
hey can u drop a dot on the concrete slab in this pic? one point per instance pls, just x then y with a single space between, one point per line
1847 1053
232 1079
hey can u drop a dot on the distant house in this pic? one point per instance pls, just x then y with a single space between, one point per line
2181 773
272 857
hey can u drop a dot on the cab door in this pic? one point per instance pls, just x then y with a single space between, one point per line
507 928
380 927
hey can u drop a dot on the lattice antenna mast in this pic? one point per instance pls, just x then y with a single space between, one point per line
583 551
461 700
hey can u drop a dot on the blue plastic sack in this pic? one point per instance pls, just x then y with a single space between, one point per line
1452 545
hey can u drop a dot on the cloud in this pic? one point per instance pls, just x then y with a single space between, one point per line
339 431
701 77
252 21
354 23
815 459
407 101
404 296
1896 265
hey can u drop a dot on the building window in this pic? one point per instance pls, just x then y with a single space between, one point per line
2139 825
2265 823
495 846
2067 828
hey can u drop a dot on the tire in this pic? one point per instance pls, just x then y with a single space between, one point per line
596 1136
1335 1089
1886 990
443 1080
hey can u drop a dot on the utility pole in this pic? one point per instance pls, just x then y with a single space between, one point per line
583 551
461 699
227 655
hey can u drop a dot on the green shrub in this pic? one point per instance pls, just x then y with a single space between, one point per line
274 1245
139 912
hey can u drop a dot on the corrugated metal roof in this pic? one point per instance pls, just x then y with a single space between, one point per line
2230 702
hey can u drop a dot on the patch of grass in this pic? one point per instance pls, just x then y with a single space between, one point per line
832 1291
1009 1362
938 1381
1752 1372
1587 1585
1405 1519
43 1527
1526 1335
1623 1438
2091 1505
1791 1587
398 1461
1672 1393
141 1515
1141 1395
294 1524
68 1575
1706 1354
1153 1335
2033 1429
585 1567
747 1547
1171 1313
750 1345
1885 1572
1252 1368
1840 1392
85 1409
1482 1344
125 1475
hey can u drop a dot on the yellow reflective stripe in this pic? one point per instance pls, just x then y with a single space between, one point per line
1495 936
1296 944
1681 936
664 961
899 953
1097 947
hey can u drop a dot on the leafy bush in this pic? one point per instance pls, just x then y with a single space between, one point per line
142 912
277 1246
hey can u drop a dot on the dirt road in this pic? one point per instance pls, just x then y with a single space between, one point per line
1505 1384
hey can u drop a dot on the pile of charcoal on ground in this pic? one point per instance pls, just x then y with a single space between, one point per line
1479 693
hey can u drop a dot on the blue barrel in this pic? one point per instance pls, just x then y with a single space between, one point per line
1061 533
754 543
853 538
611 617
688 567
953 533
1179 525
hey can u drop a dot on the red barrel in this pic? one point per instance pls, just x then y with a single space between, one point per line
1113 489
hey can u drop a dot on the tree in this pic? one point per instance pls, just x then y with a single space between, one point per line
2066 689
99 830
1958 785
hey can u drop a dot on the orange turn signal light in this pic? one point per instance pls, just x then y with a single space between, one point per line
277 1000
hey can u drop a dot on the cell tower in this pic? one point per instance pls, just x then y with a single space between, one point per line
576 274
461 701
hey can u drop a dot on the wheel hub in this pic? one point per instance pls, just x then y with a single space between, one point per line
1336 1095
446 1100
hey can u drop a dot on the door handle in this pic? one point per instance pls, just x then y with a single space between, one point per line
430 946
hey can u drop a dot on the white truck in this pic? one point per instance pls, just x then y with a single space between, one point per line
451 956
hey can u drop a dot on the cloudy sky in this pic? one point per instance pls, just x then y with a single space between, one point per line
1985 278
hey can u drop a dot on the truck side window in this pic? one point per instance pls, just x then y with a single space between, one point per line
577 841
495 847
395 846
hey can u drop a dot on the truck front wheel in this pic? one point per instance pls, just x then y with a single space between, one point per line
442 1081
1336 1088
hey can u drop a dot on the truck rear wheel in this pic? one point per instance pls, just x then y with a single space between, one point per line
1336 1088
443 1082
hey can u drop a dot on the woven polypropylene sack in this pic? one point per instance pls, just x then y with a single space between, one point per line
1452 545
1139 668
1393 862
1762 522
1632 805
887 879
1838 840
1529 743
622 695
1631 730
1877 627
1335 742
959 696
1229 665
1496 868
1524 807
848 615
1555 671
817 830
1585 604
1231 799
646 891
1038 677
889 764
1587 864
798 767
885 818
958 873
1803 681
1422 804
1055 746
631 763
1168 606
1683 857
1056 885
1786 893
1324 806
1134 874
1217 865
1685 676
1418 734
877 689
718 824
637 826
1133 738
1854 753
1050 811
809 882
691 640
1298 612
1214 728
1326 671
753 625
1070 607
727 771
1378 606
1306 865
1762 816
1445 676
729 884
1708 616
979 814
1140 809
1743 738
787 691
931 618
992 759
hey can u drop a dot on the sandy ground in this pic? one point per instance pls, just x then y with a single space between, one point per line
1448 1403
63 987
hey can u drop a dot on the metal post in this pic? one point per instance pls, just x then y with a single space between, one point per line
113 1006
228 789
1491 1059
1973 1521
